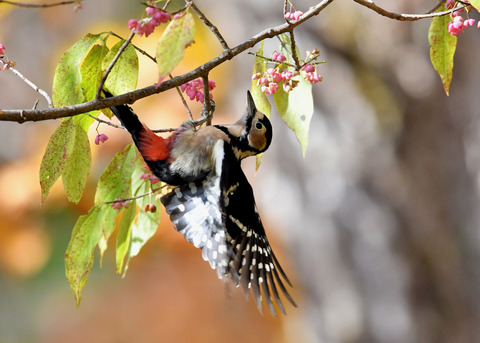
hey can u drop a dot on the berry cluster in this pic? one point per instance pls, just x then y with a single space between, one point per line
150 208
310 74
119 203
458 23
194 89
153 179
2 47
273 76
293 15
100 138
147 25
284 73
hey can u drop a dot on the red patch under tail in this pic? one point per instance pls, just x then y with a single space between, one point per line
153 147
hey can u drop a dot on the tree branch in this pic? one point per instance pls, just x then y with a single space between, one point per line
405 17
29 5
212 27
24 115
31 84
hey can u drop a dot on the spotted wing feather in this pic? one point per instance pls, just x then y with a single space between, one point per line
254 265
194 211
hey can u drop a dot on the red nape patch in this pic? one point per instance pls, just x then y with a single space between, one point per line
153 147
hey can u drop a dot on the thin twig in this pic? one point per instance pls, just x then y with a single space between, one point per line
112 63
437 6
207 105
150 192
293 46
105 121
272 61
34 86
405 17
29 5
179 91
143 52
212 27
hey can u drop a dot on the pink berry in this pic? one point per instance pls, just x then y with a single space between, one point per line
308 68
101 138
151 10
281 58
287 15
132 23
296 15
191 93
117 204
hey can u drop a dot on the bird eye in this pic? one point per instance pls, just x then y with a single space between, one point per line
259 125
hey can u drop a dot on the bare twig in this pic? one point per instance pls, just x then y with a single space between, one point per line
179 91
29 5
207 105
405 17
437 6
152 191
105 121
34 86
143 52
293 46
110 66
212 27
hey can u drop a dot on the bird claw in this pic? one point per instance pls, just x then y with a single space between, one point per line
207 111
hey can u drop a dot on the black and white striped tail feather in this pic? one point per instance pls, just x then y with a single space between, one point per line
256 267
247 259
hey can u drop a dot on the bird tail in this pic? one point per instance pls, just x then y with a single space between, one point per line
128 119
151 146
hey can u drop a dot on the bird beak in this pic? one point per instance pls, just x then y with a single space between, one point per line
251 108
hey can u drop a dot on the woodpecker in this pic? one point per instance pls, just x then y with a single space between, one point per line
213 205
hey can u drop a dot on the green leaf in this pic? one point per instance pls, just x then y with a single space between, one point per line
92 73
57 154
296 109
79 254
89 230
171 47
296 106
442 49
116 179
124 75
147 222
259 97
475 4
108 226
74 175
67 80
124 235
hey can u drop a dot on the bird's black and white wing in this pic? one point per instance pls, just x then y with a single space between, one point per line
194 209
219 216
254 264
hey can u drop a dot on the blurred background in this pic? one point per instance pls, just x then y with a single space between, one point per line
377 227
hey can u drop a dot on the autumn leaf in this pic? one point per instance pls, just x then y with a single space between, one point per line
442 49
171 47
